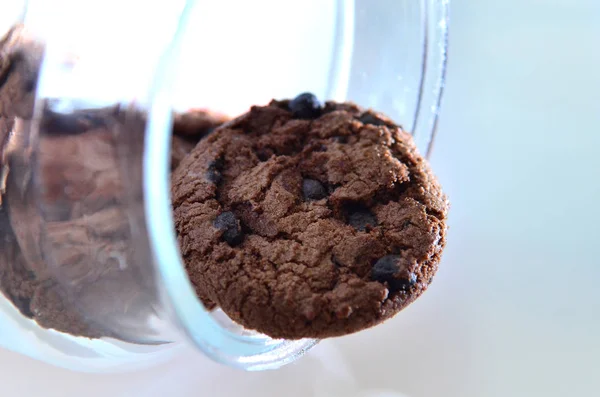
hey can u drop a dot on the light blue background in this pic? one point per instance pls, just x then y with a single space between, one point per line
515 309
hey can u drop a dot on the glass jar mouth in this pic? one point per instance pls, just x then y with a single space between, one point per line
237 349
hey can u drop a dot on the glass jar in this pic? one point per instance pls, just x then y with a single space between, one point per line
90 269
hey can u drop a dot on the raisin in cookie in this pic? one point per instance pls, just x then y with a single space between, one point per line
303 220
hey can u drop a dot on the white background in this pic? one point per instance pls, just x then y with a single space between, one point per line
515 309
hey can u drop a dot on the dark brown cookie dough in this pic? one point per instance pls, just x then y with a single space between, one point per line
302 221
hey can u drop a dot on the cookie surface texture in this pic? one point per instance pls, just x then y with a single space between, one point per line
314 222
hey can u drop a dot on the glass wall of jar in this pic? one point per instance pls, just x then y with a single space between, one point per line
90 269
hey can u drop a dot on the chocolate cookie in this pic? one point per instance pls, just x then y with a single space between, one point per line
307 220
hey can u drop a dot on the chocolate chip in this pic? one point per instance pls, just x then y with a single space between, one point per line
361 219
264 154
340 139
313 190
306 106
30 84
230 226
23 304
214 176
214 171
369 118
390 269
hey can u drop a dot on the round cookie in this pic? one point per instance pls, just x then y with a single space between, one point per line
302 220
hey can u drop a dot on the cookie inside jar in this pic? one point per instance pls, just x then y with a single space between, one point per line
296 219
67 257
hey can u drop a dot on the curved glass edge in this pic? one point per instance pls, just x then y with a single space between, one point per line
249 352
436 17
339 72
106 355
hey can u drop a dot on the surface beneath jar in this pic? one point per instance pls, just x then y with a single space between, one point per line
302 220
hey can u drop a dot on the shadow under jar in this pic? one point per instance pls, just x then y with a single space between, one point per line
90 269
